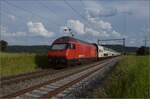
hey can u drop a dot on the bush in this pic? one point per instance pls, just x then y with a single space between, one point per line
143 51
3 45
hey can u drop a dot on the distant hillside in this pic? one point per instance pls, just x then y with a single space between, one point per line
45 48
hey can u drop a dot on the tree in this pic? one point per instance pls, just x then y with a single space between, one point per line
3 45
143 51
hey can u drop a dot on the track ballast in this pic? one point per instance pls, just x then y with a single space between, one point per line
54 87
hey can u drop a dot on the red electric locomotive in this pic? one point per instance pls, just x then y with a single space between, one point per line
70 50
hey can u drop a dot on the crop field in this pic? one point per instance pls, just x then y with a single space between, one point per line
130 79
16 63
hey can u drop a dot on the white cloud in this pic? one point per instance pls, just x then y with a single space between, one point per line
95 33
105 28
38 28
14 34
76 26
132 41
6 33
100 24
116 34
136 8
90 31
35 29
100 28
2 29
12 17
96 12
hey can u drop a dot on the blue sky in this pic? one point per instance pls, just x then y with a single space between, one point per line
39 22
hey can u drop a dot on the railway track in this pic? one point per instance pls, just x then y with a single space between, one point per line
26 76
55 86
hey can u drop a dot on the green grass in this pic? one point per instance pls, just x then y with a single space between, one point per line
130 79
16 63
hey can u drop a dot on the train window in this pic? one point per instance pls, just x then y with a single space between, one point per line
105 54
59 46
71 46
100 50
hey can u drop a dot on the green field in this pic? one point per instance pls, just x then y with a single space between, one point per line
16 63
130 79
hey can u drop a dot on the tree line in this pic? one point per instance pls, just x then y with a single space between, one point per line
141 51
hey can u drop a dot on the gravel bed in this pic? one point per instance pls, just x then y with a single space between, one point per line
84 88
7 89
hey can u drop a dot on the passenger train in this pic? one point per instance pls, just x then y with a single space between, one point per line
67 50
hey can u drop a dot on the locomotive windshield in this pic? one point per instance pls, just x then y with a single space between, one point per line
59 46
62 46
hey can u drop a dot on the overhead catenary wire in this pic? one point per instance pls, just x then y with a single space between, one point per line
74 10
28 11
82 3
50 10
8 12
80 15
54 23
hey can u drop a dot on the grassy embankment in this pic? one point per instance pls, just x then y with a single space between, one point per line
130 79
16 63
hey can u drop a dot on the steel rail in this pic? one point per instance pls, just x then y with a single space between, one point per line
22 92
23 77
62 88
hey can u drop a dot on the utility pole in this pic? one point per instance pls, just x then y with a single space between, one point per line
124 52
145 41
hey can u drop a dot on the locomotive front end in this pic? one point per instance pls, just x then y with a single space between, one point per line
57 54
